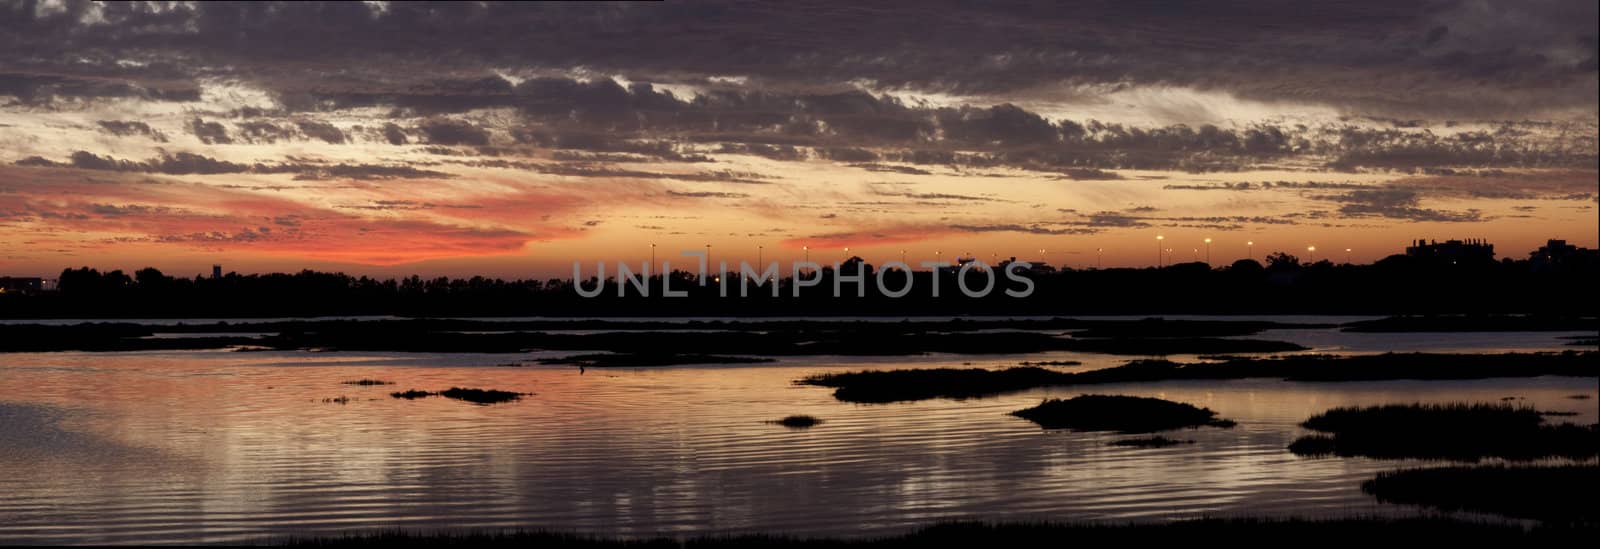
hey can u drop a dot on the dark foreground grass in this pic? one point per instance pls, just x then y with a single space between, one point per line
1475 323
475 396
1430 532
638 360
1123 414
1460 432
1559 494
920 384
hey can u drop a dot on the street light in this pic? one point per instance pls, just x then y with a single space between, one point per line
1347 256
1311 254
1208 251
1159 238
1250 248
1099 253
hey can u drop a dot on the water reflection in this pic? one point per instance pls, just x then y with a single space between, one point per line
219 446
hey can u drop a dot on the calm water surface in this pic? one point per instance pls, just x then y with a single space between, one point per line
220 446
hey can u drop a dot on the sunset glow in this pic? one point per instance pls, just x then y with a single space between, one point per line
137 136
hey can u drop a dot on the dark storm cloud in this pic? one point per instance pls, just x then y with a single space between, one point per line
1449 57
453 132
785 83
45 89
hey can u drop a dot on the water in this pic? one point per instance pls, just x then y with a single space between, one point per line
215 446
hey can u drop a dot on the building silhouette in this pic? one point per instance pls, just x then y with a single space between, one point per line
21 284
1453 251
1558 255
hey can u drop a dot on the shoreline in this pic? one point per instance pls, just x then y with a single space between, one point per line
1249 531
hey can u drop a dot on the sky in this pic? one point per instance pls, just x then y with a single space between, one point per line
510 140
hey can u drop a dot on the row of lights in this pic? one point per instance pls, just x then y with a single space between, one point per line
1311 251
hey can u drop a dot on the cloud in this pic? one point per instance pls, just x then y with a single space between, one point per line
185 163
210 133
1450 59
125 128
256 131
706 194
1394 203
1016 228
146 212
453 132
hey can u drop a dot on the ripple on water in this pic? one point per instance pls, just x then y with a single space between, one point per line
220 446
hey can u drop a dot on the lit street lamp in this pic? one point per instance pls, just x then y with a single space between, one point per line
1208 251
1159 238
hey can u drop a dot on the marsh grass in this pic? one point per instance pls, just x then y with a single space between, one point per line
1236 531
920 384
475 396
1559 493
1149 442
1123 414
481 396
798 422
1459 431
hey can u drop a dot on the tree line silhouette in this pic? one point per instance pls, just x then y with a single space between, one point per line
1284 284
